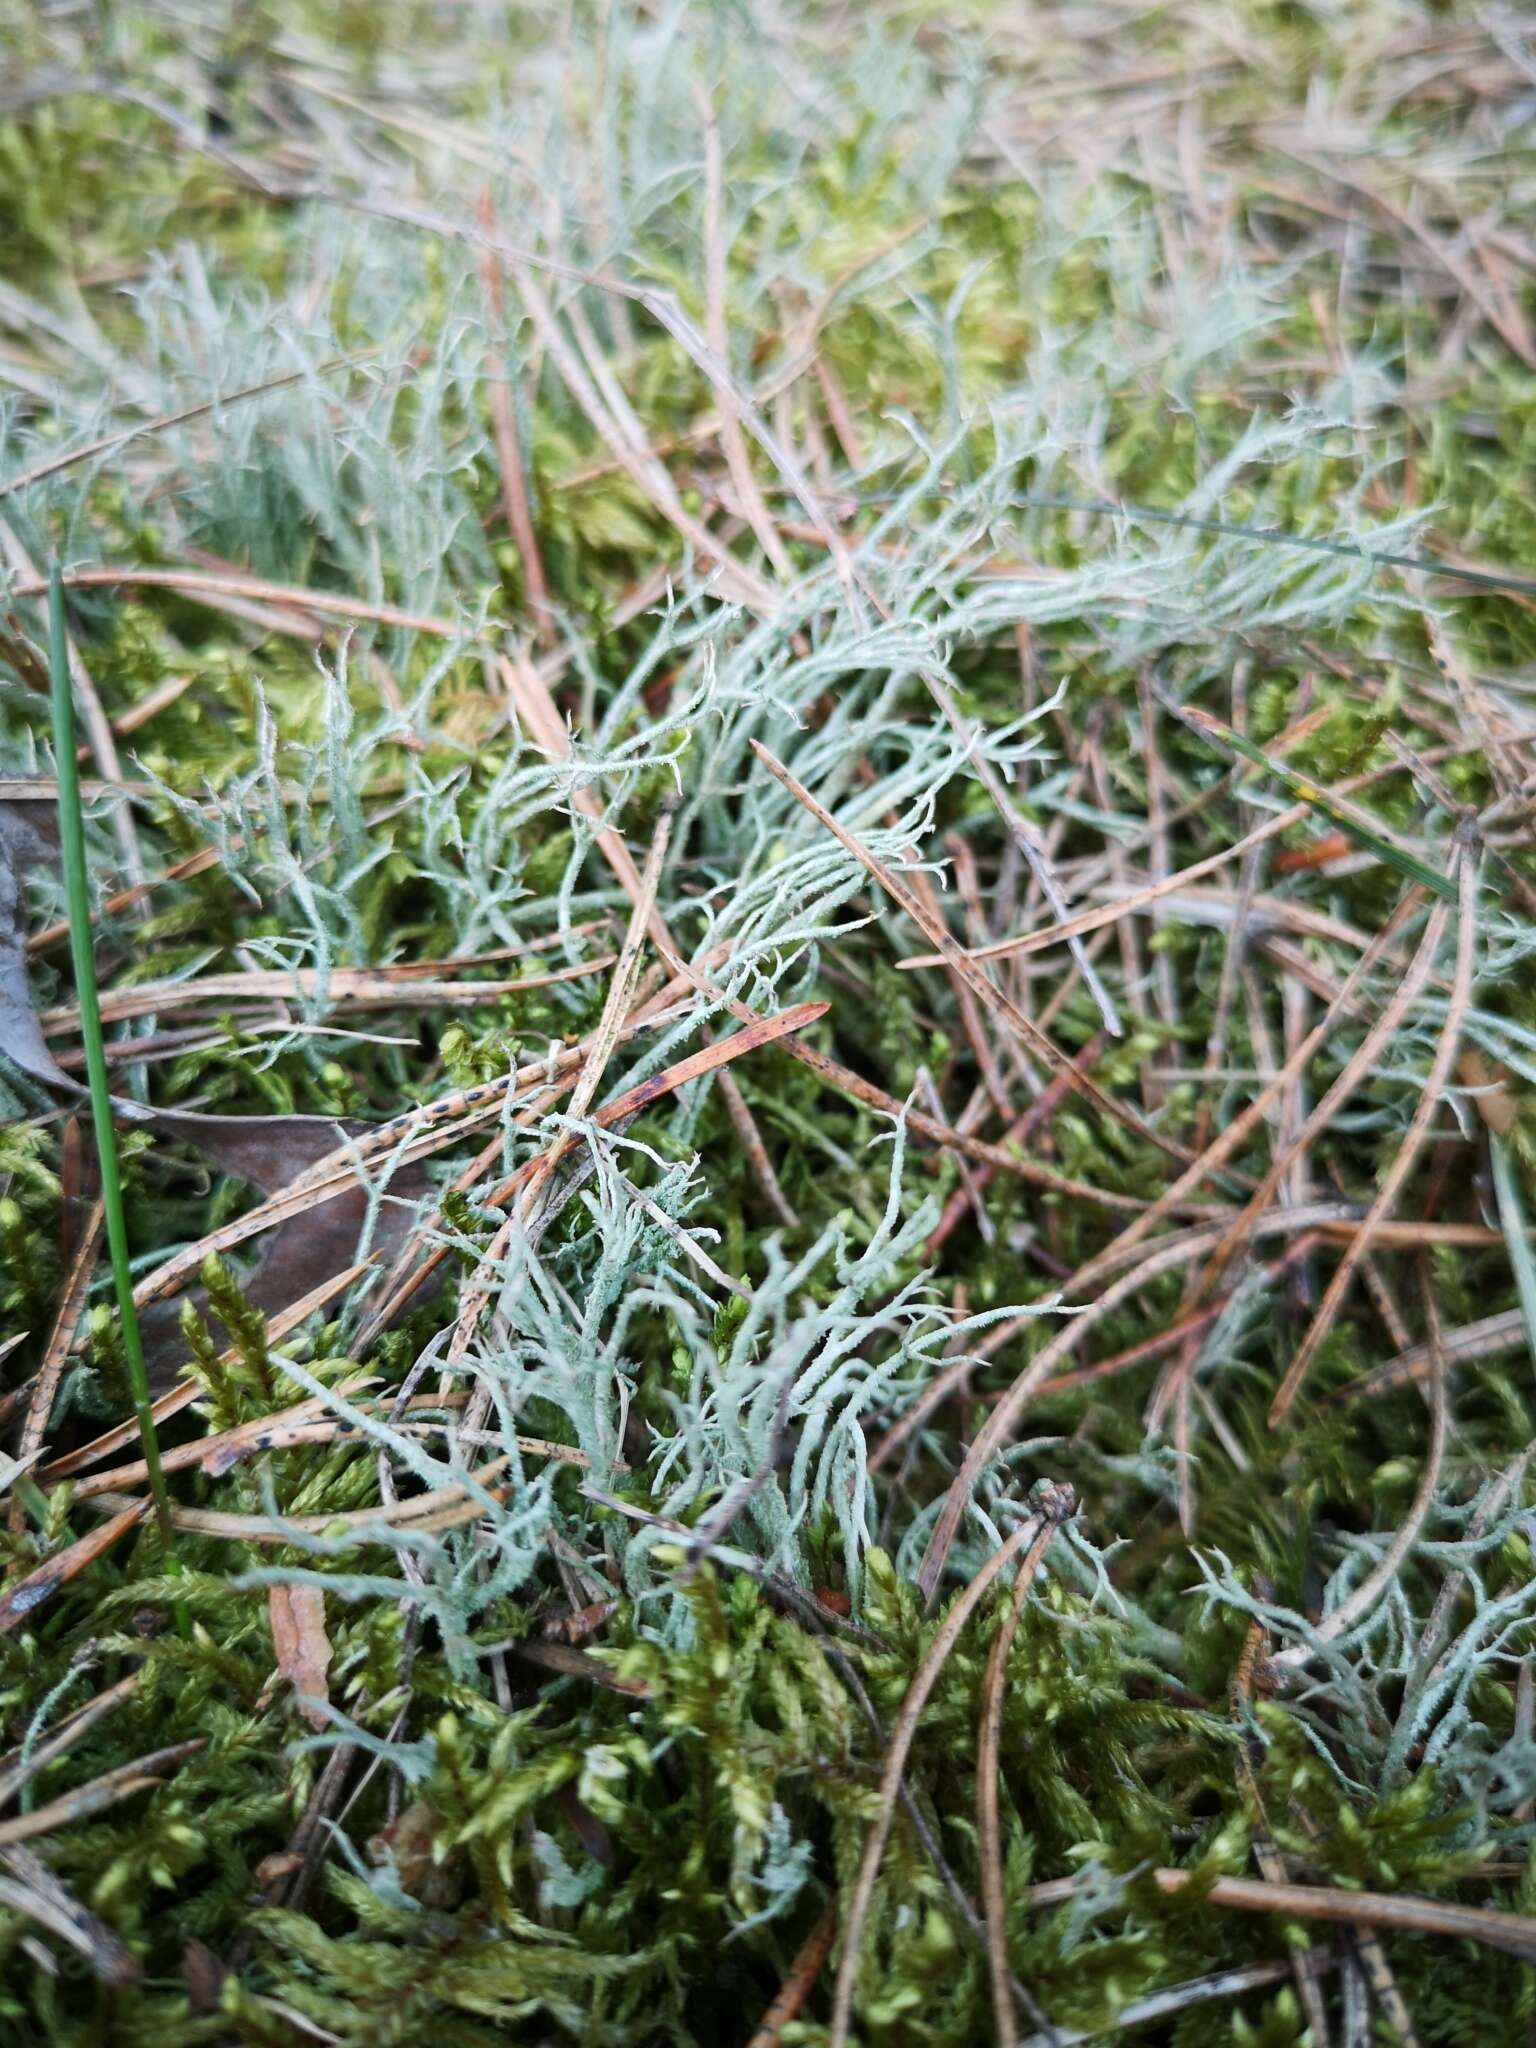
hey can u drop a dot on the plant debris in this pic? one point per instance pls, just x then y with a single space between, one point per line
807 755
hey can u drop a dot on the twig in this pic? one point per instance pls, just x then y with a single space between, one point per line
1398 1912
1058 1506
903 1732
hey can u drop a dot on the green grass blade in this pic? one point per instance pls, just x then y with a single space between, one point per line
72 841
1307 792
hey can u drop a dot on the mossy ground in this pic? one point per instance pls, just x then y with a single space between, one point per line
1266 270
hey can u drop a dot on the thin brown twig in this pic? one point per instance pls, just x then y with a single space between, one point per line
989 1834
902 1734
1394 1912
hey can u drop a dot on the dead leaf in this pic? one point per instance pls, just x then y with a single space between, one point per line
267 1151
297 1617
409 1843
204 1975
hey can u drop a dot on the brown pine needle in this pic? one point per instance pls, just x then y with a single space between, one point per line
46 1384
1383 1576
1028 842
857 1089
40 1584
352 987
956 956
66 1735
797 1987
1071 929
1271 1864
1404 995
234 583
902 1735
536 707
763 1031
615 1007
1407 1153
478 1291
1167 1257
107 1790
107 444
183 1395
1058 1508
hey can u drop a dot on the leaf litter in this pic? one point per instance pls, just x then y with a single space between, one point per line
591 543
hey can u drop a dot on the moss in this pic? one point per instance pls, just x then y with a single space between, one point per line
1015 309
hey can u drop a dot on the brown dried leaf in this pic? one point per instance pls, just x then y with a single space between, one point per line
297 1617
